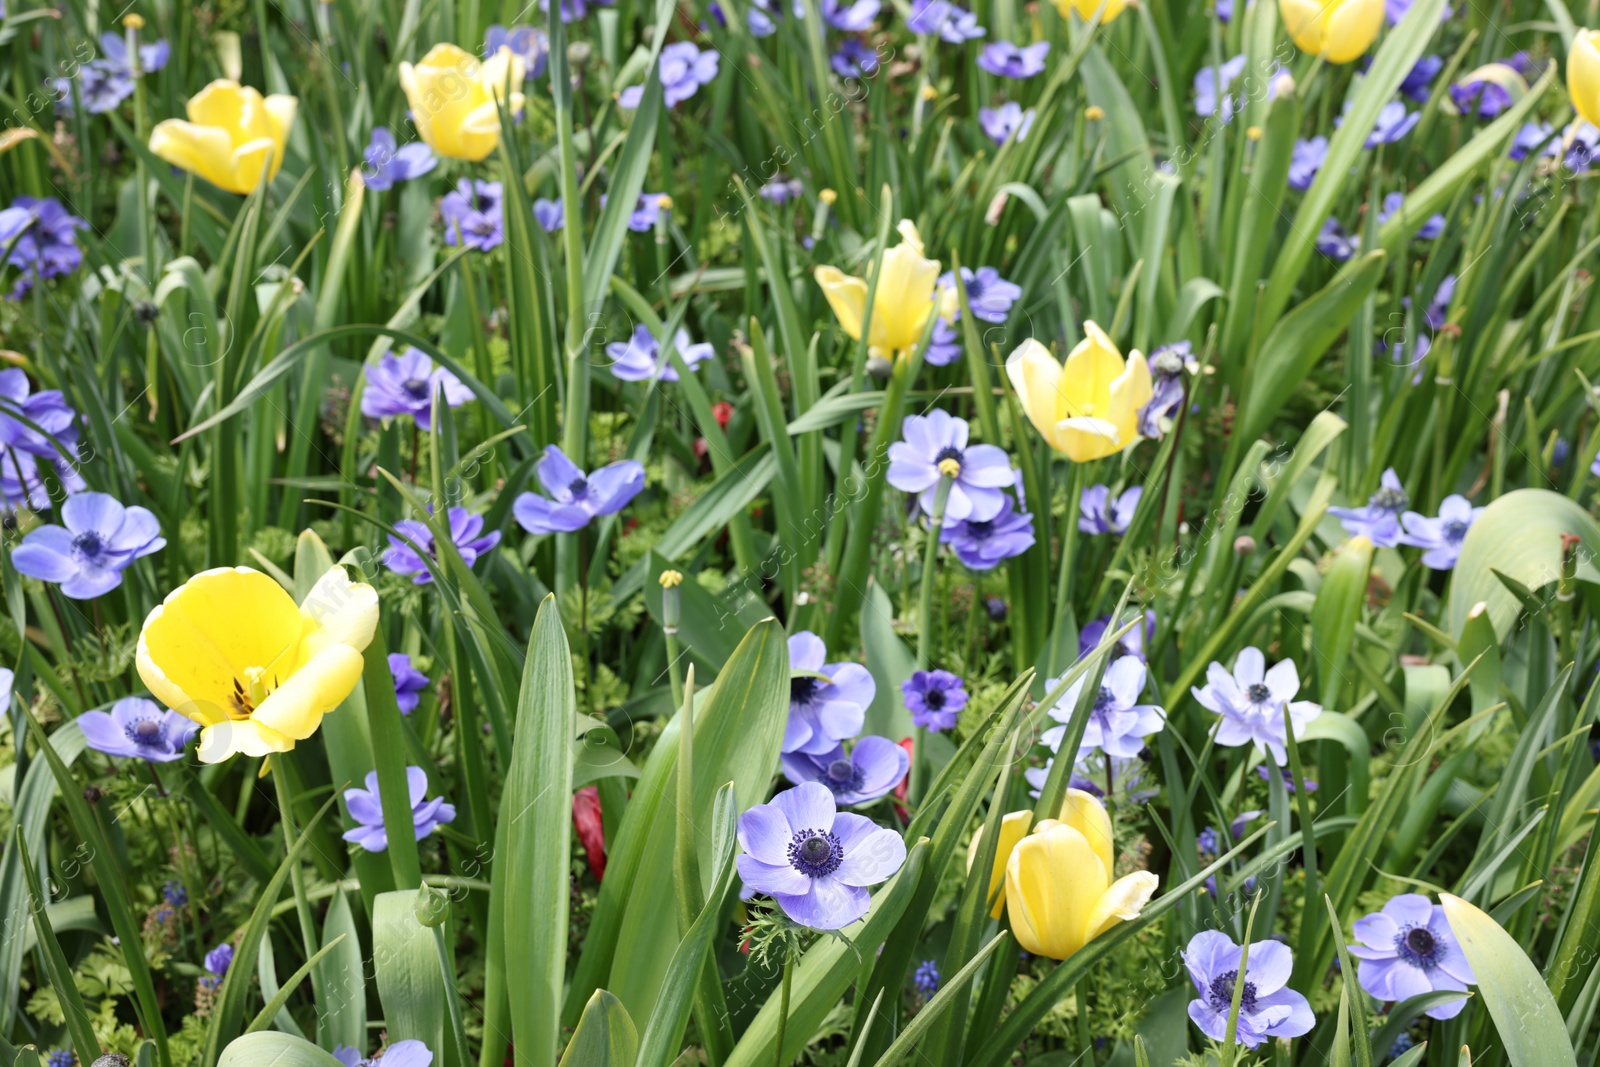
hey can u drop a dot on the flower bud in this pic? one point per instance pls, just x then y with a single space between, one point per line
133 20
1243 545
431 907
670 600
1094 112
828 196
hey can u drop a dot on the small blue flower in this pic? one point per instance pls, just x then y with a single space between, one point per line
1167 366
1379 519
1408 949
1099 514
871 769
1118 723
1335 243
388 164
852 60
87 556
137 728
466 532
1432 227
41 236
1005 60
684 68
472 215
530 43
550 214
576 498
1003 121
981 544
781 189
61 1058
409 682
366 808
934 698
1441 537
926 978
1206 841
1418 80
219 959
850 18
989 295
175 894
951 23
641 358
1267 1009
405 385
1305 159
411 1053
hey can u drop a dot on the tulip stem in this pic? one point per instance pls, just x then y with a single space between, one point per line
1076 478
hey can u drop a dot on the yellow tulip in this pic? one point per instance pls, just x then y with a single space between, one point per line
1088 409
232 135
1087 8
231 650
1337 30
452 95
904 300
1583 75
1013 828
1059 892
1080 810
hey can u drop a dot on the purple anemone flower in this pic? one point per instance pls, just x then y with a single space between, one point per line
1408 949
951 23
1167 365
466 531
1535 135
1099 514
1335 243
1211 84
406 384
576 498
1267 1009
409 682
388 164
1394 122
1005 60
1251 701
646 211
934 446
853 59
1441 537
42 238
530 43
827 701
850 17
1118 723
1379 519
1395 10
944 344
684 68
641 358
1419 79
219 959
781 189
1579 146
871 769
934 698
813 859
87 556
989 295
472 214
137 728
982 544
1432 227
1132 643
574 10
1483 97
549 214
1305 160
1003 121
366 808
412 1053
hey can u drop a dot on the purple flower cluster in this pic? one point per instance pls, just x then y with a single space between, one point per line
366 808
105 83
87 556
529 43
684 68
42 238
466 532
576 498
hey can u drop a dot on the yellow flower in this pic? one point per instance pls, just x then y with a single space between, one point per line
1088 409
1337 30
231 650
1013 828
1059 892
1087 8
904 300
1583 75
233 133
452 95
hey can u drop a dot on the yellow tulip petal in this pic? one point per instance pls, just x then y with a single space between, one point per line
1130 391
345 612
1084 813
1013 828
1053 880
1092 365
296 707
240 737
1036 376
1083 439
904 299
280 111
222 104
248 163
1583 75
1352 26
1124 900
201 150
846 295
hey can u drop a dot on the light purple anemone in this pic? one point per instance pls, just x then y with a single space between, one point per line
366 808
852 60
1441 537
934 699
684 69
219 959
944 345
1480 96
982 544
641 358
529 43
850 17
1394 122
1266 1009
939 439
951 23
576 498
1333 242
409 682
388 164
1211 96
411 1053
1408 949
1395 10
137 728
1131 644
1003 121
1305 159
646 211
1118 723
1251 701
466 532
473 214
405 384
87 556
1431 228
780 189
870 770
1167 365
1099 514
827 701
1005 60
989 295
813 859
1420 78
1534 135
1379 518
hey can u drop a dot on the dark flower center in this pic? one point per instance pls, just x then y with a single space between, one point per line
483 226
948 452
88 543
1221 993
840 770
802 690
1387 499
980 530
934 699
1104 700
1454 530
1418 947
579 486
145 732
417 387
815 853
1259 693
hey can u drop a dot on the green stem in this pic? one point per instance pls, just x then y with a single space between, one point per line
930 558
783 1002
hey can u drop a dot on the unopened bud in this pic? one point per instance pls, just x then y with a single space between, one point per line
578 53
664 202
1254 133
432 906
929 93
996 608
1243 545
92 794
133 21
1094 112
828 196
671 600
145 311
997 207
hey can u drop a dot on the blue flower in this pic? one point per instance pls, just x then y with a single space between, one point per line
411 1053
1408 949
465 531
175 894
1206 841
1432 227
871 769
646 211
1305 159
641 358
1118 723
1441 537
982 544
219 959
366 808
1395 10
1379 519
576 498
409 682
1581 142
574 10
1418 80
827 701
1533 135
1394 122
989 295
1211 89
1335 243
137 728
1167 365
88 555
780 189
683 67
1267 1009
41 236
550 214
1099 514
926 978
405 385
472 215
935 446
944 344
950 22
934 699
1132 644
1287 776
1251 700
1486 92
851 18
387 164
530 43
1005 60
1007 119
852 60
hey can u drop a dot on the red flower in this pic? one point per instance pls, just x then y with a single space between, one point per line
905 783
723 412
591 834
